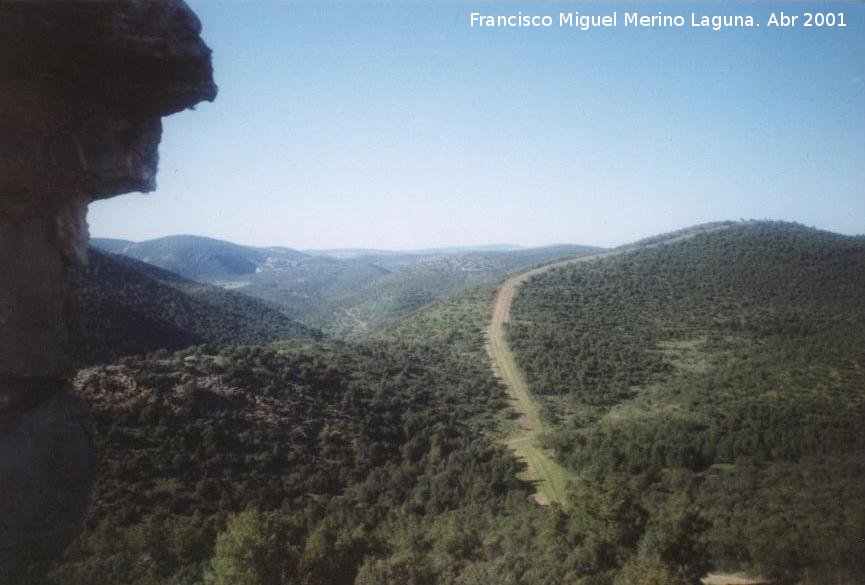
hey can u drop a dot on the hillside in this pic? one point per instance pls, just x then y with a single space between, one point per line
354 457
126 307
328 464
199 258
113 245
345 293
305 287
722 373
460 320
706 397
426 280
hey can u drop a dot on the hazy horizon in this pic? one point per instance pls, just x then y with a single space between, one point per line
457 246
399 127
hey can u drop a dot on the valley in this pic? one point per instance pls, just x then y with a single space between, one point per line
429 296
685 405
343 293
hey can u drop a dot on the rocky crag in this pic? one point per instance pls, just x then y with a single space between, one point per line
83 88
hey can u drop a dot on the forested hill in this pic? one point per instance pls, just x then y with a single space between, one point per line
708 396
339 459
199 258
345 293
126 307
329 463
426 280
727 371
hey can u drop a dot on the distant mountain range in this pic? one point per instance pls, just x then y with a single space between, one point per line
345 253
343 292
211 260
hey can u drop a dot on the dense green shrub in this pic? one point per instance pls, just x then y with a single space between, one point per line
734 359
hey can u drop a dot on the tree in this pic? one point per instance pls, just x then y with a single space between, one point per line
675 539
247 552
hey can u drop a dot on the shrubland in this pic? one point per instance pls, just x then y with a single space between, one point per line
727 369
706 395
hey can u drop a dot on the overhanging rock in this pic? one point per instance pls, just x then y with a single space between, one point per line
83 87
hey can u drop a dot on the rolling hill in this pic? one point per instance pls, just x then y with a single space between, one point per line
323 463
126 307
344 454
298 283
342 292
202 259
426 280
705 396
721 375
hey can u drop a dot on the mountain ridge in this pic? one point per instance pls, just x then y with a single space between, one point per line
343 296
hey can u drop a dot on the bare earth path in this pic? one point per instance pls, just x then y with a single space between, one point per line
548 476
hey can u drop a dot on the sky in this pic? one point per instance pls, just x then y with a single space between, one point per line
399 126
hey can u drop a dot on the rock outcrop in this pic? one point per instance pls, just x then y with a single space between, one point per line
83 87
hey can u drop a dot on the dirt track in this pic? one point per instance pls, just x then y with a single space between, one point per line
549 477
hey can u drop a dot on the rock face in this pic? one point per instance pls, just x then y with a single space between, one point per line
83 87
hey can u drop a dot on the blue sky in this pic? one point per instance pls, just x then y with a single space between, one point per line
396 125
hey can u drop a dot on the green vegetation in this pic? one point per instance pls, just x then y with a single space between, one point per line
346 295
199 258
726 370
126 307
706 398
458 323
335 442
418 283
324 463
